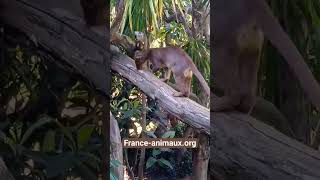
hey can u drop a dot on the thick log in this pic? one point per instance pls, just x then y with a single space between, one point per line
244 148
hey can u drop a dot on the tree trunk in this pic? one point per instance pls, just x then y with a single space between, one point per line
201 158
116 147
143 125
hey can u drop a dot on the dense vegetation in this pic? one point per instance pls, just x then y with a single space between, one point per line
165 23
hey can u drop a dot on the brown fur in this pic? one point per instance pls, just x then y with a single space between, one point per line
239 26
141 44
176 61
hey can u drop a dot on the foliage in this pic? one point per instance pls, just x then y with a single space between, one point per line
151 17
152 160
50 121
306 37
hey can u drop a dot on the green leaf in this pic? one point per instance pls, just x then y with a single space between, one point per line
153 14
128 114
8 141
136 104
130 14
169 134
76 101
155 152
67 133
150 162
42 121
89 159
113 176
125 16
84 135
180 7
83 170
125 106
165 162
120 102
48 144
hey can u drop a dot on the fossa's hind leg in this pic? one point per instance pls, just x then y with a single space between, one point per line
184 84
181 84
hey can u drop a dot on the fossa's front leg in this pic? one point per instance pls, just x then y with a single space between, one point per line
167 75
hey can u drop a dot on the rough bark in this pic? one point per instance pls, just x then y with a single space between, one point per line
143 125
201 158
244 148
